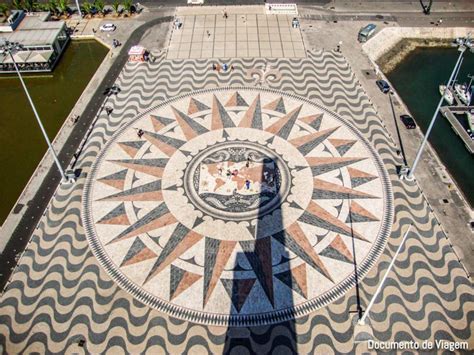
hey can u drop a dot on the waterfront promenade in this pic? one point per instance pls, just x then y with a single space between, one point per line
432 177
63 292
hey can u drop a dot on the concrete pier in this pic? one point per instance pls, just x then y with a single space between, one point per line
448 113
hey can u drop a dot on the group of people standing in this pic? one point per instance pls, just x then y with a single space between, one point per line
224 67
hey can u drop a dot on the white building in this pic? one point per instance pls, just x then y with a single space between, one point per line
43 41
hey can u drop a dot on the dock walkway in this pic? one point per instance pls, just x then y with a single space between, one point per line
448 112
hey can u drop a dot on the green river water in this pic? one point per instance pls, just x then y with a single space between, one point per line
416 80
54 95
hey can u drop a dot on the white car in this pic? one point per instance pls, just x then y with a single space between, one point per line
108 27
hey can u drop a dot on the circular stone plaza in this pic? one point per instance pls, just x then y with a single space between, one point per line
252 210
237 206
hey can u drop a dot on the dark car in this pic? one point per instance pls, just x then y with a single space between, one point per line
383 86
408 121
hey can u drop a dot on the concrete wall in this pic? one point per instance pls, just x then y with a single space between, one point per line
388 37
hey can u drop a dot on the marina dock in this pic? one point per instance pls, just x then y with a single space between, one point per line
448 112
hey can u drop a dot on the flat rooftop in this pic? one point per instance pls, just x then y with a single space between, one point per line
35 30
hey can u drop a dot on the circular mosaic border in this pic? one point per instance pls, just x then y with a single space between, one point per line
231 319
235 216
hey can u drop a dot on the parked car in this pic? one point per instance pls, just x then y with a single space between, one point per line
408 121
383 86
108 27
366 32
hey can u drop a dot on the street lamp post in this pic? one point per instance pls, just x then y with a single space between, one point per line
78 8
9 47
463 45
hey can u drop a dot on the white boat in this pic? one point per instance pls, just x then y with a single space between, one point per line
462 93
470 120
458 42
449 95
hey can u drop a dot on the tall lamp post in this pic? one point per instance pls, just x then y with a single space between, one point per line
463 44
79 8
10 48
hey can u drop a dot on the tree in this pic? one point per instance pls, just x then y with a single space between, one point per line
87 7
42 7
30 5
63 7
17 4
52 6
4 9
127 5
100 6
116 6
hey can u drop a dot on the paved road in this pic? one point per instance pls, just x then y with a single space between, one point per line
450 19
338 4
405 19
37 206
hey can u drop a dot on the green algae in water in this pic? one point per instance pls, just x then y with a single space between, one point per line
54 95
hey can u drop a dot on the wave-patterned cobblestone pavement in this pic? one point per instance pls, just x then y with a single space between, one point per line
59 295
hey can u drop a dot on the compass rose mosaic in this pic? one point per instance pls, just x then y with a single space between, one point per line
237 206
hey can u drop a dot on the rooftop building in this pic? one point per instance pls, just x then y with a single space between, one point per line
43 42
